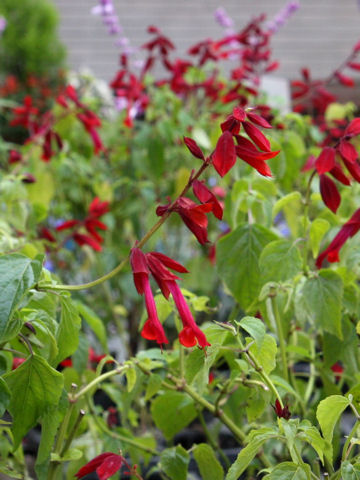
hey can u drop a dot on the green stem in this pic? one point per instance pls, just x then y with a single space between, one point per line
74 398
72 433
121 438
58 447
212 442
255 364
182 361
140 244
273 312
346 449
306 212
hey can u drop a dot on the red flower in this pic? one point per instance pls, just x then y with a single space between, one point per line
224 156
90 223
192 214
105 465
158 264
338 370
281 412
14 156
152 330
204 195
348 230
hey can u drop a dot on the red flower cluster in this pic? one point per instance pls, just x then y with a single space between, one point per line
158 264
313 95
105 465
331 253
90 121
91 223
331 160
223 159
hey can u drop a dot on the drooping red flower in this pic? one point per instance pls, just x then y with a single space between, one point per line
105 465
281 412
349 229
14 156
157 263
152 330
329 193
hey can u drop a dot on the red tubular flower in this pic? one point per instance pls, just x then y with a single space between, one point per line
348 230
158 264
204 195
191 333
152 330
194 148
192 214
105 465
281 412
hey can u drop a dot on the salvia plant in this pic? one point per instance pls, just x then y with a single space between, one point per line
179 272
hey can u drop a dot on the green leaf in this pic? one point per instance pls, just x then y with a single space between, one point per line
67 335
290 198
237 260
50 420
256 439
4 396
311 435
349 471
254 327
94 322
130 375
174 462
279 261
290 471
35 386
318 300
153 386
172 412
266 355
209 466
328 413
318 229
17 275
198 367
71 454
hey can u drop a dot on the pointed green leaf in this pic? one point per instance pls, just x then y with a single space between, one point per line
174 462
256 439
349 471
17 275
279 261
4 396
255 328
209 466
318 229
266 355
290 471
328 413
238 260
94 322
35 386
172 412
67 334
318 299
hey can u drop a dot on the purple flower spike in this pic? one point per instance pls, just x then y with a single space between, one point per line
283 16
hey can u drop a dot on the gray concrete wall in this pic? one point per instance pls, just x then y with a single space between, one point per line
319 35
